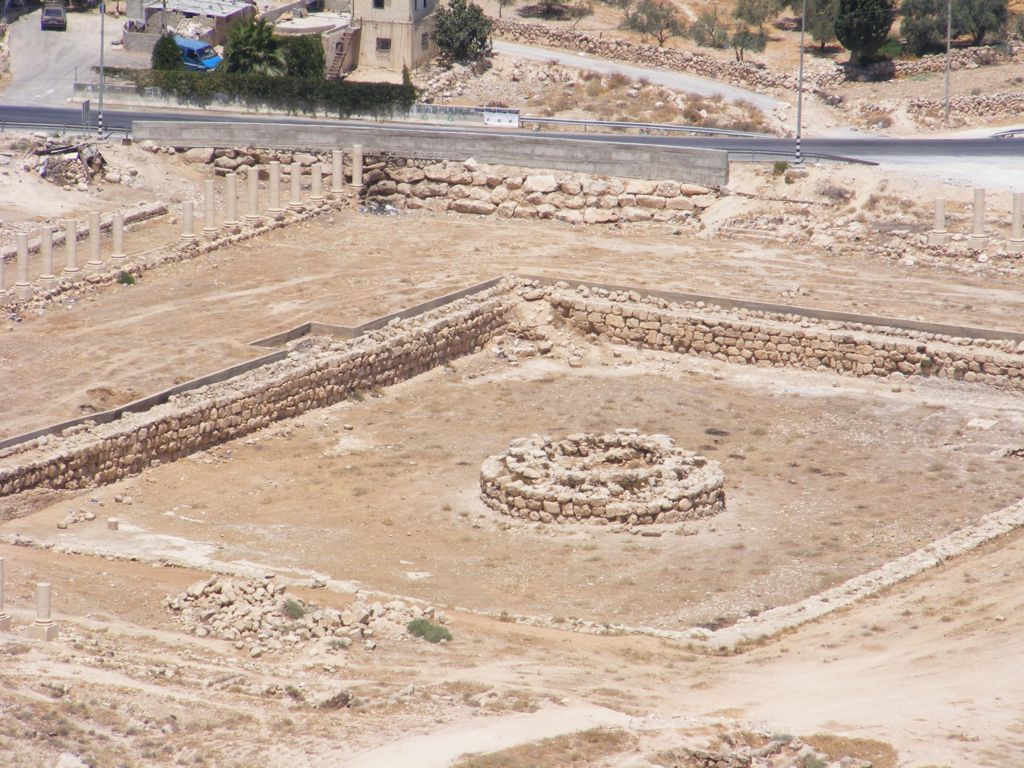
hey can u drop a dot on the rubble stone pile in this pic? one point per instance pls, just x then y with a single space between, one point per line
258 614
623 477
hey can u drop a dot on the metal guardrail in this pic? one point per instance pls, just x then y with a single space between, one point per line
62 129
1008 134
765 155
668 127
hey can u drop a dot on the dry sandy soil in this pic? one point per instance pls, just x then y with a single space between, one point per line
826 478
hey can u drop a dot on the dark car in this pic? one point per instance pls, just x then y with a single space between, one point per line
54 17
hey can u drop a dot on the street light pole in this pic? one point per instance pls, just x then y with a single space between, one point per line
949 35
799 159
99 116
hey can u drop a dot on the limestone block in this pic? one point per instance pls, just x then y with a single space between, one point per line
569 217
679 204
650 201
481 207
631 213
409 174
691 190
198 155
627 201
570 186
545 211
499 195
525 212
667 189
507 209
640 187
600 216
428 189
540 184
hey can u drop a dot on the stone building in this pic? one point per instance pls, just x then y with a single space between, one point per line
394 33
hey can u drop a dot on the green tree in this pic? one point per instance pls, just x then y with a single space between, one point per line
862 26
251 48
756 13
745 39
657 19
821 20
924 25
709 30
303 56
980 18
166 55
461 31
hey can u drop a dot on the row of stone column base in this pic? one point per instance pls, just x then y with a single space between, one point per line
978 239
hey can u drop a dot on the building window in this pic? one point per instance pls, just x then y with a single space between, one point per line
425 40
383 45
378 4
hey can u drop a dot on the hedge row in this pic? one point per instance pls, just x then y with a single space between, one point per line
294 94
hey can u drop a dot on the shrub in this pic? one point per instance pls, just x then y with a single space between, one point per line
293 609
709 30
779 167
295 94
125 278
166 55
303 56
428 630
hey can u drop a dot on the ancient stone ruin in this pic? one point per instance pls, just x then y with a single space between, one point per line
624 477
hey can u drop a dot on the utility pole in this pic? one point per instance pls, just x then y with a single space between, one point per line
799 159
949 36
99 114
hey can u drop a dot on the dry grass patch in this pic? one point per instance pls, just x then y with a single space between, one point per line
878 753
581 748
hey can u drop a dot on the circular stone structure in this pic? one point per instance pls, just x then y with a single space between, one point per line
624 477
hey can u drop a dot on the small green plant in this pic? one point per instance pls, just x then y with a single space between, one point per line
428 630
293 609
779 167
810 761
356 396
125 278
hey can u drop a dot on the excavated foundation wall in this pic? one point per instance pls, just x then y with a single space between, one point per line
770 339
317 374
307 379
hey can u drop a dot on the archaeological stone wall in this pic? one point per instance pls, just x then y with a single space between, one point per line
776 340
310 377
574 198
1004 105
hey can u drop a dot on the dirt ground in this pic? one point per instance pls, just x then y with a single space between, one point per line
826 477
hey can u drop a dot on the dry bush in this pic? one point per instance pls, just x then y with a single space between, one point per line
574 749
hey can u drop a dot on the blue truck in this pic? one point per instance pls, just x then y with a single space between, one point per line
196 54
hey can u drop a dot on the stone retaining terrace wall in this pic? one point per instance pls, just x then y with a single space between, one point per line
313 376
775 340
522 194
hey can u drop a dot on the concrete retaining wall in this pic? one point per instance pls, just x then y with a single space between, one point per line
609 158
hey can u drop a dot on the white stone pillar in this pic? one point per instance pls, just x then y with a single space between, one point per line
22 287
357 165
252 178
274 209
939 235
43 627
209 210
117 254
231 202
295 200
188 232
337 172
5 620
978 238
70 247
46 251
94 241
1016 244
316 184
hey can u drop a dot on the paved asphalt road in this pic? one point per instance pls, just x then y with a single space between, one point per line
1008 151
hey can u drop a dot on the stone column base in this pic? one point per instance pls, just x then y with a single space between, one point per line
23 292
938 238
47 631
1015 246
977 242
5 623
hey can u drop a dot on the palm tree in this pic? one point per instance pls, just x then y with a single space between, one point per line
251 48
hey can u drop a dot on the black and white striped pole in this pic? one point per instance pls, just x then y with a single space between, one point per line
99 115
799 158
